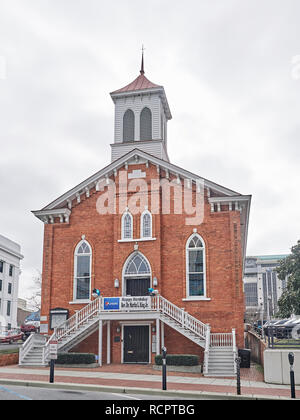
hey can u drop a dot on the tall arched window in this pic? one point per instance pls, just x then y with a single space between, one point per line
195 271
146 124
146 224
82 271
128 126
127 225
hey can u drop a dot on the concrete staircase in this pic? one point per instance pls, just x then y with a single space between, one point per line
32 352
221 362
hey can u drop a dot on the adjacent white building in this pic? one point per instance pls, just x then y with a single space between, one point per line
261 284
10 258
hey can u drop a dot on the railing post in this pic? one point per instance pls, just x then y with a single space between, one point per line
206 352
234 349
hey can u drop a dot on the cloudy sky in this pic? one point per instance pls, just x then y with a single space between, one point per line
231 71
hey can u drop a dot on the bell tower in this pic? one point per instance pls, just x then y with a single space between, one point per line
141 116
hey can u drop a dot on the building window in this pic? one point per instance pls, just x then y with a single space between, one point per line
137 265
128 126
11 270
146 124
9 288
127 225
146 224
8 308
195 259
1 266
0 285
251 295
83 264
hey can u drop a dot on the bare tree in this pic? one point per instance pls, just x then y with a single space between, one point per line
35 298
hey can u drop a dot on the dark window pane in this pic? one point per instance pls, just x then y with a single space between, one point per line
128 126
196 285
146 124
196 261
83 266
83 288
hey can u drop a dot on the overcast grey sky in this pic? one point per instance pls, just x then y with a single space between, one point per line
231 71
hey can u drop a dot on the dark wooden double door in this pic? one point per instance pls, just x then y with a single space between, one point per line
136 344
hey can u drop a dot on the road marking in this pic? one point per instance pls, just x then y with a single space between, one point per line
23 397
127 396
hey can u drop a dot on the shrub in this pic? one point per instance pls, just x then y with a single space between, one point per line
75 359
178 360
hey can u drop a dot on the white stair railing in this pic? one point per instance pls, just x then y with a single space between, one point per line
184 319
73 324
221 340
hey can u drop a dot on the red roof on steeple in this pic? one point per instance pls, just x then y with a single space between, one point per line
140 83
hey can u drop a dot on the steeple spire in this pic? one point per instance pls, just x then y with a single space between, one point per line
142 71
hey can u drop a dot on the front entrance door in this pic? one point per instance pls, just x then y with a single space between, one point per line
137 286
136 344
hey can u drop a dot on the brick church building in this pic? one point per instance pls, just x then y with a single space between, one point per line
144 253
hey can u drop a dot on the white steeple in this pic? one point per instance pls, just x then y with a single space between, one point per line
141 115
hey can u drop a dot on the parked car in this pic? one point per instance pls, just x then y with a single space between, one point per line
11 336
31 324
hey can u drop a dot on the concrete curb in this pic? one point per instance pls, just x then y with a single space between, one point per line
133 390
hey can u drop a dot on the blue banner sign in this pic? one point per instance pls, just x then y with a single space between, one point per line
111 304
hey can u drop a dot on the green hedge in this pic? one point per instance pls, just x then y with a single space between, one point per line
75 359
178 360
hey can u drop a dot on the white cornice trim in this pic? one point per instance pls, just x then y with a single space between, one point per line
47 216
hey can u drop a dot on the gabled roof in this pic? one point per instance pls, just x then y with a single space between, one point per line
117 164
219 195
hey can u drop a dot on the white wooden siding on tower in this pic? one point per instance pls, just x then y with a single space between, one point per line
155 148
137 103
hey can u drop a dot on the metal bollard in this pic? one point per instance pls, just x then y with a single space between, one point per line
164 368
52 363
292 374
238 375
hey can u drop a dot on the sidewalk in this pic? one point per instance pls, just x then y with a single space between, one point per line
144 379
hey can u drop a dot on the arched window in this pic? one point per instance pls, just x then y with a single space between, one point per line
136 275
146 124
137 265
146 224
127 226
128 126
82 271
195 271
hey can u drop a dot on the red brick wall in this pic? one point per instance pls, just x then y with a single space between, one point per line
167 256
9 359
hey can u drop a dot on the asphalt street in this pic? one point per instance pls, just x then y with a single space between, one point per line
14 393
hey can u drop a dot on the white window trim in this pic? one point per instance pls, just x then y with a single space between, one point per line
76 255
187 249
142 225
127 212
125 276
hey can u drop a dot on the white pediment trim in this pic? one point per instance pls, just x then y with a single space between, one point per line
133 157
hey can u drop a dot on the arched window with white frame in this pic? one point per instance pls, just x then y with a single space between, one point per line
195 267
127 225
146 224
82 271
